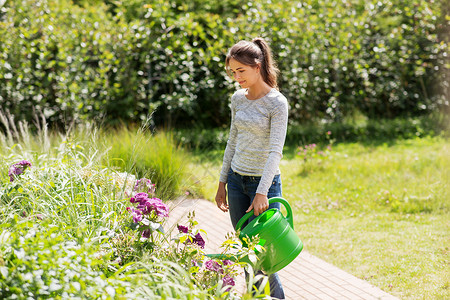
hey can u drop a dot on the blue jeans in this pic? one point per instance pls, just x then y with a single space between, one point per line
241 191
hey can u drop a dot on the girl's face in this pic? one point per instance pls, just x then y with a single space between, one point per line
245 75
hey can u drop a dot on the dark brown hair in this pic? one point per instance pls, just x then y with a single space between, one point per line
256 52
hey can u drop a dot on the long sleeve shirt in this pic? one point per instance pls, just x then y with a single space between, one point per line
256 139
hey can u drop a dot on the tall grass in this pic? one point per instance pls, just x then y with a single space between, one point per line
154 156
70 202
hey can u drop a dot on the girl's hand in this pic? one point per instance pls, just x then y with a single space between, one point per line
259 205
221 197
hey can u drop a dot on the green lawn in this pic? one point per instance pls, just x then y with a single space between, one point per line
380 212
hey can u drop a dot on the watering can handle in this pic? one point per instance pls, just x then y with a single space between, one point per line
271 200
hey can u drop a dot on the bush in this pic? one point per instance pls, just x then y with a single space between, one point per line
122 60
37 261
365 131
67 231
40 263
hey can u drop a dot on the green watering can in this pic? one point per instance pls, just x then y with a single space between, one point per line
276 235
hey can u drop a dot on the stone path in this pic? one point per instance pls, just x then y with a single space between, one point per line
307 277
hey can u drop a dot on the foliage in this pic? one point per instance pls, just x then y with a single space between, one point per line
72 227
124 60
155 156
37 260
68 63
312 156
41 263
338 56
363 130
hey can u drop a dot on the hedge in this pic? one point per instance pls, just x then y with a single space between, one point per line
126 61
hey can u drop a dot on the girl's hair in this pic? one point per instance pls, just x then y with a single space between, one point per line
253 53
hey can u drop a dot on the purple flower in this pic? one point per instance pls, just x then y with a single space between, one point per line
214 266
146 233
199 240
144 184
227 262
147 205
194 263
228 280
182 228
161 208
137 214
139 198
17 169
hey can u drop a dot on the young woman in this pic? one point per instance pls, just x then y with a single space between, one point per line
259 114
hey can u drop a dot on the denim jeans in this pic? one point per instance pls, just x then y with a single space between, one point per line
241 191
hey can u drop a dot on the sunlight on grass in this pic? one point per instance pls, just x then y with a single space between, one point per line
379 212
408 177
154 156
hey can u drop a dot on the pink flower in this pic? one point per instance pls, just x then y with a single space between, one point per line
214 266
17 169
228 280
227 262
146 185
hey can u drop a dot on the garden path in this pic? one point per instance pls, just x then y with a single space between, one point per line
307 277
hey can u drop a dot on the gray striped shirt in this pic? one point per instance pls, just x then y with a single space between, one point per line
257 135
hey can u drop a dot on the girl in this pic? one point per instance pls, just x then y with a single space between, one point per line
259 114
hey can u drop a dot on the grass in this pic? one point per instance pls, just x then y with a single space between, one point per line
380 212
154 156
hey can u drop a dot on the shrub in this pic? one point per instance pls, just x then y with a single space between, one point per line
41 263
122 61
